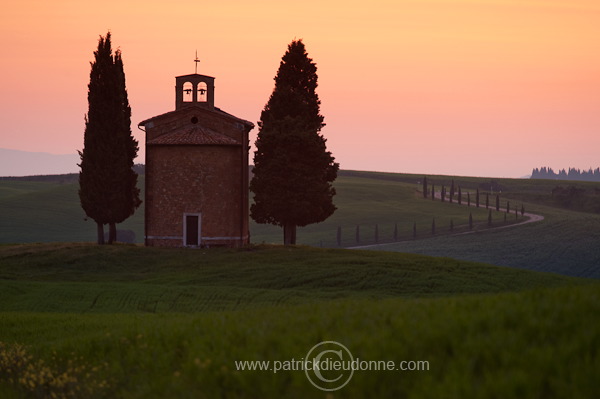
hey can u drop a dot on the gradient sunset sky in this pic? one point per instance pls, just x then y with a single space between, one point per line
465 87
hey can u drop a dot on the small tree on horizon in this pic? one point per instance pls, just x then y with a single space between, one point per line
452 191
293 171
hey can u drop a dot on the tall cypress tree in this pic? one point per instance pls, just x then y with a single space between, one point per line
107 183
126 199
293 171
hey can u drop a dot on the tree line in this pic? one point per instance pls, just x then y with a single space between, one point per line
570 174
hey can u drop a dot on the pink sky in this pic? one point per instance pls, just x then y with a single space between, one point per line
465 87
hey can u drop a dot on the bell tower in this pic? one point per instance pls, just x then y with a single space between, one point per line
195 90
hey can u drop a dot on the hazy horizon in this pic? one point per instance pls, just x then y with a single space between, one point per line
437 86
17 163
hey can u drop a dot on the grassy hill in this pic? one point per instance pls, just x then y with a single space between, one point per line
34 211
80 320
50 212
125 278
83 321
564 242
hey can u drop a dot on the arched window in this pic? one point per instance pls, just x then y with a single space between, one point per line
202 92
188 92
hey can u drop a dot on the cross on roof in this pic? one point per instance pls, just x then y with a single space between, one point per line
196 63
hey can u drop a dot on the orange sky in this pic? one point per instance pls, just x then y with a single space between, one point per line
470 87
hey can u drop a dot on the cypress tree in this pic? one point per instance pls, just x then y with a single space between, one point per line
477 198
433 192
127 198
107 182
443 193
487 200
522 210
452 190
293 171
468 199
507 206
425 187
451 225
459 196
497 202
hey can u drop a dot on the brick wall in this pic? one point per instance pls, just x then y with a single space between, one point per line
195 179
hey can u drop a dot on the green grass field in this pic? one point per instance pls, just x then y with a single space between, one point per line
124 321
78 320
565 242
47 212
126 278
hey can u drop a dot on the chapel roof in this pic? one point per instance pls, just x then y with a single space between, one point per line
193 135
216 110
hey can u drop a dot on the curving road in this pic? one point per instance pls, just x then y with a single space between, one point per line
531 218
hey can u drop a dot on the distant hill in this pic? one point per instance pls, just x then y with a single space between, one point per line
24 163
